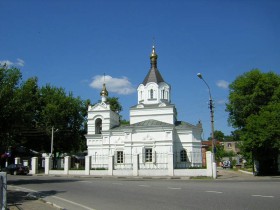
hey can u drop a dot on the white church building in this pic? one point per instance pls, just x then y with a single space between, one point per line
154 139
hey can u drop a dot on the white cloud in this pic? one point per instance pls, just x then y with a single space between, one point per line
20 62
120 86
8 63
222 84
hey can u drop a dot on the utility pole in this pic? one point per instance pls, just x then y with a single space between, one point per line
212 126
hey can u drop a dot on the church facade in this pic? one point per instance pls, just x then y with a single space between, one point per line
154 133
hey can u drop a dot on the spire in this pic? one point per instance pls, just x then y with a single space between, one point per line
154 74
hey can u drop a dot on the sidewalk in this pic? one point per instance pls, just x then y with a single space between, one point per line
18 199
228 174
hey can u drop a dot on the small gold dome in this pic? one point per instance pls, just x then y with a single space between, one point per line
104 92
153 54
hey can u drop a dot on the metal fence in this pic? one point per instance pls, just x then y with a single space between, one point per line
41 164
77 163
187 160
57 163
99 162
155 161
123 162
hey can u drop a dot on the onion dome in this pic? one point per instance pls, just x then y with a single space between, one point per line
104 92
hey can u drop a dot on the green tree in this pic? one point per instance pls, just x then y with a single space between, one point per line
67 115
254 110
218 135
114 104
221 153
11 111
27 114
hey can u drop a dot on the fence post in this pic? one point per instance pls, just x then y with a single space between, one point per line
170 164
87 165
214 168
47 165
135 163
66 165
111 165
209 161
34 165
3 190
17 160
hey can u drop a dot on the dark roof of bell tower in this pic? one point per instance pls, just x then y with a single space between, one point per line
154 74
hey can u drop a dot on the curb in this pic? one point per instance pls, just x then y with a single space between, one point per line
51 204
246 172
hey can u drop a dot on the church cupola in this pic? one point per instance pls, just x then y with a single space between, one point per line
153 58
154 74
154 89
104 93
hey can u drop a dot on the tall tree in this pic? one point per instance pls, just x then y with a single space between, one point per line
254 109
28 113
10 79
66 114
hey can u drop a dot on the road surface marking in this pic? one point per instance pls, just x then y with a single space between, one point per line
142 185
65 200
85 181
213 192
174 188
77 204
22 188
264 196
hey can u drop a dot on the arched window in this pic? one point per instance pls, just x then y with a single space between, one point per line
162 94
151 94
98 126
183 155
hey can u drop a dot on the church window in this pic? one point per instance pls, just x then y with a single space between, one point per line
183 155
163 94
151 94
119 156
98 126
148 155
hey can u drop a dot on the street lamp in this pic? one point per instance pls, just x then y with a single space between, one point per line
212 120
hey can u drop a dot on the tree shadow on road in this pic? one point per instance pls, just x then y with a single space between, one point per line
18 197
18 182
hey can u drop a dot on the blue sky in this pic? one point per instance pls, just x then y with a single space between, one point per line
71 43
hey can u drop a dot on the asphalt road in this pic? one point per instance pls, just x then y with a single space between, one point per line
74 193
